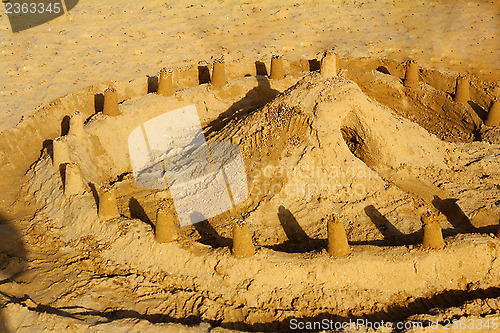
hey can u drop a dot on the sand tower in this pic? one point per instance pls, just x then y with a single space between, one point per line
166 223
60 151
108 208
76 127
165 83
338 245
73 183
218 73
110 103
277 70
433 236
462 91
242 240
329 64
411 75
493 118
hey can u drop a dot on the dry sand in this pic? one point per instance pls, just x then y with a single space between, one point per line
360 144
122 40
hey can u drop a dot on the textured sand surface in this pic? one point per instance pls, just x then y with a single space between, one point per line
120 40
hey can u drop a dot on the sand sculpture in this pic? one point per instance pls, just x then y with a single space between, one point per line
321 119
166 222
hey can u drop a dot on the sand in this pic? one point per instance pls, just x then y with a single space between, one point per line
123 40
359 144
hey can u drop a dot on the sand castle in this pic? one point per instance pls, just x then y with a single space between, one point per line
315 140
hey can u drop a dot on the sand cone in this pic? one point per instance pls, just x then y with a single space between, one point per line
76 125
110 103
60 151
242 240
462 90
433 236
493 118
218 74
277 71
166 223
73 183
338 245
165 84
108 209
411 76
329 64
